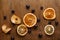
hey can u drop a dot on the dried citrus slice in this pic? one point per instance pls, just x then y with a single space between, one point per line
5 29
22 30
15 19
49 14
29 19
49 29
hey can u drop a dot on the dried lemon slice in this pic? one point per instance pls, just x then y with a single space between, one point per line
49 29
5 29
15 19
49 14
22 30
30 20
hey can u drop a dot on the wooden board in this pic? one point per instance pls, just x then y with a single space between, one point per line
19 7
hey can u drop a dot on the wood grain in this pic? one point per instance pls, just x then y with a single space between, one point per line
19 6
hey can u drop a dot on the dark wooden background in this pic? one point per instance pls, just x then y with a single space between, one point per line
19 6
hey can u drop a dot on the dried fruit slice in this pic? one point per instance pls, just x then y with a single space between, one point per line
30 20
5 29
49 14
22 30
15 19
49 29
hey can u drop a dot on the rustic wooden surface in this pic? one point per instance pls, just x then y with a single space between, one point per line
19 6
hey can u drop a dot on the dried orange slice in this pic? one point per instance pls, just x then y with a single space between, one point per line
15 19
49 29
30 19
49 14
22 30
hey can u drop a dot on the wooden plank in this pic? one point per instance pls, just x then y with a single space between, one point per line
19 7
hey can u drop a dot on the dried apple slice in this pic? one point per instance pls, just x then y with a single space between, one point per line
15 19
5 29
